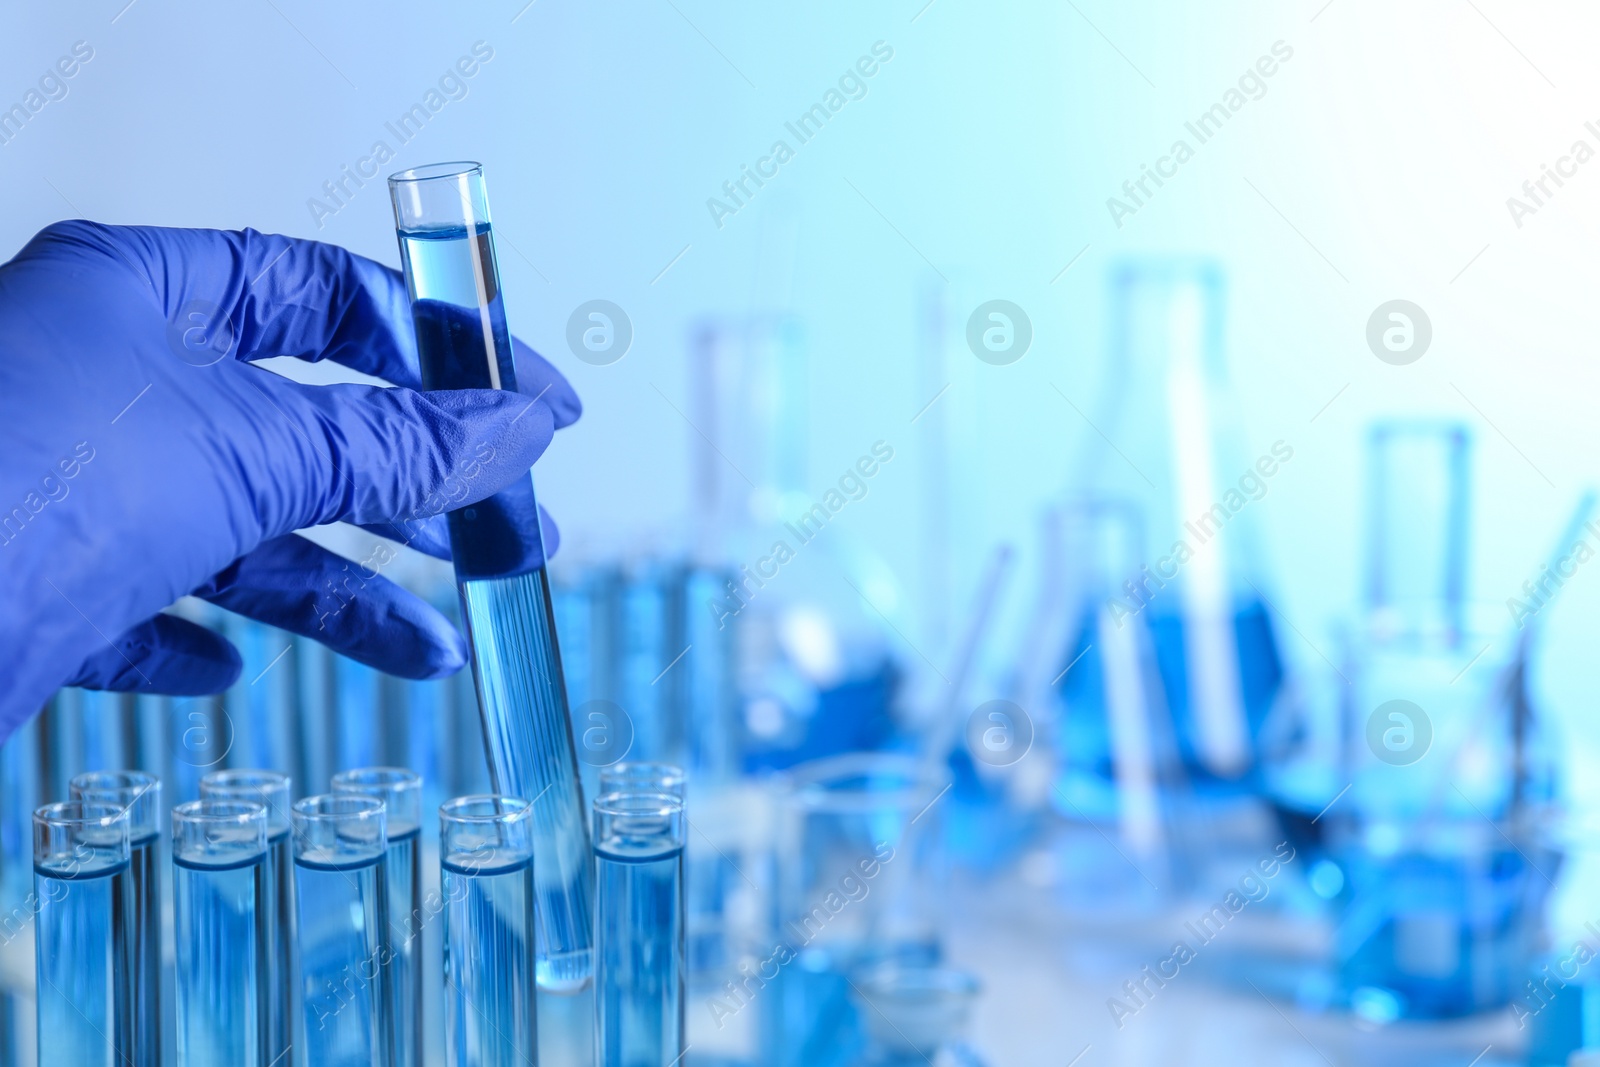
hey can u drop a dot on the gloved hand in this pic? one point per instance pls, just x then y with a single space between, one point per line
143 458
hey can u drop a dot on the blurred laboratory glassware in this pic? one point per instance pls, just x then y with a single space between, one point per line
916 1015
1557 1000
1168 431
859 854
83 935
639 929
221 931
486 879
447 250
401 792
1442 841
1121 772
280 969
140 795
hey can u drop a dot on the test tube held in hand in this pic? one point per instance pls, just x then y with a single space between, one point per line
447 251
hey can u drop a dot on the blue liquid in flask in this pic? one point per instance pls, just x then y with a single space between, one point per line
463 343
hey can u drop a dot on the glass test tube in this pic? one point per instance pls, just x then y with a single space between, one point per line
636 777
140 795
82 946
639 929
343 911
447 250
401 791
221 931
490 943
280 971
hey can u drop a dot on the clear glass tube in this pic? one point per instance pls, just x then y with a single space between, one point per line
490 941
343 911
639 777
447 250
280 971
140 795
221 931
639 929
401 790
82 946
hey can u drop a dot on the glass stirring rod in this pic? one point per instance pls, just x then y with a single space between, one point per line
463 342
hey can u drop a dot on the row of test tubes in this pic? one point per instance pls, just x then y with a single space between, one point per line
297 927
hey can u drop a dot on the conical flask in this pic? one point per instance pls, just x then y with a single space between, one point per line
1166 435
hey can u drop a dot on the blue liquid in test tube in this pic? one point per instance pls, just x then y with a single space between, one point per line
82 946
140 795
280 970
220 931
486 878
340 885
447 250
401 792
639 935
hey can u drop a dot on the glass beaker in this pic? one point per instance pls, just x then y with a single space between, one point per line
858 847
917 1015
1442 839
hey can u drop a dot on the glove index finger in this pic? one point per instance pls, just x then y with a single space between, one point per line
251 295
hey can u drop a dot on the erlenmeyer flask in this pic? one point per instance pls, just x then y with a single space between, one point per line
809 597
1167 436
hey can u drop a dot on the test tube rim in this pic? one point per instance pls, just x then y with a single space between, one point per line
259 778
429 172
611 803
359 804
400 781
191 810
140 784
655 769
516 814
113 815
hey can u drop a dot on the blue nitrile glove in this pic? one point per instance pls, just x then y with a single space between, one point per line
142 458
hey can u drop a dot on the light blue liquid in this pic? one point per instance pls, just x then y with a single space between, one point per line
639 1002
280 969
343 913
142 880
489 965
463 342
404 873
222 944
82 964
